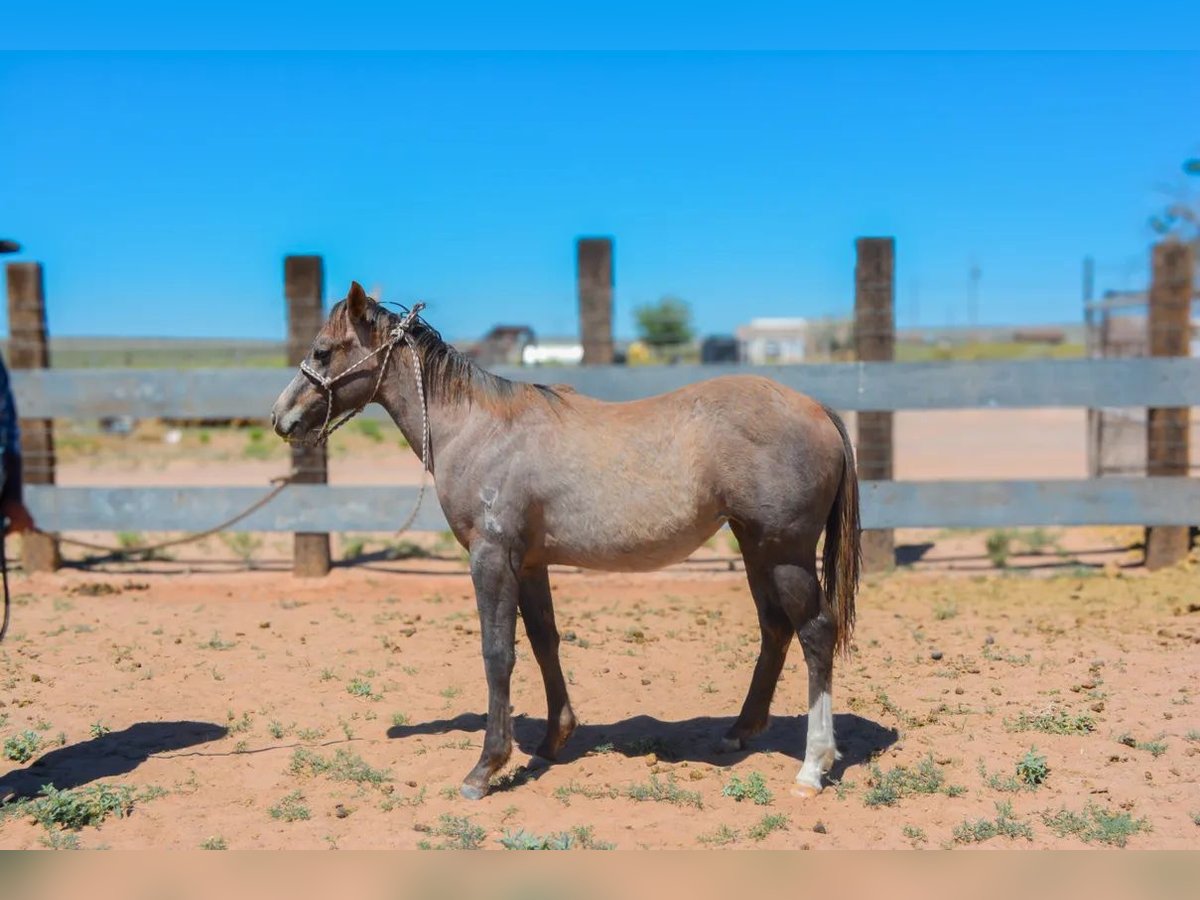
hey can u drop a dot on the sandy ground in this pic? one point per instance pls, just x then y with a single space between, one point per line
209 694
246 708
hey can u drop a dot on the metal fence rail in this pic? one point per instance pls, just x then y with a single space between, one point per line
885 504
249 393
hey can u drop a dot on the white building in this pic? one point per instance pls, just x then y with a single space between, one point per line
552 353
773 341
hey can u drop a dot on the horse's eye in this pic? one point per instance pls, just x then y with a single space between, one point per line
321 356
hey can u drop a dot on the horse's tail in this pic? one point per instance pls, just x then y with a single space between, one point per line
843 549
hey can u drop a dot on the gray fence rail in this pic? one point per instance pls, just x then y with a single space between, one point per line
249 393
885 504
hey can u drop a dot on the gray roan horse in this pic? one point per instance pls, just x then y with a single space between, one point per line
530 476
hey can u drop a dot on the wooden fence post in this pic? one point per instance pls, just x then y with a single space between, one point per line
594 284
303 286
1172 265
27 349
874 341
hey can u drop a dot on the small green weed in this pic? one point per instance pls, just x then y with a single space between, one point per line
1057 721
360 687
723 836
767 824
657 791
577 838
1096 824
23 747
1004 825
457 833
1032 768
215 643
752 787
291 808
998 546
74 809
888 788
343 766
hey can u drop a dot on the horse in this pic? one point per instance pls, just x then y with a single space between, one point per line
531 476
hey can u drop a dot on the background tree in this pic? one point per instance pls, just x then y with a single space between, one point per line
667 323
1181 217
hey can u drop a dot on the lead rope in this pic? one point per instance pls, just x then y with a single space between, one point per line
4 576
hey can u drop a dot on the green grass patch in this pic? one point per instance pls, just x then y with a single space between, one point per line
1095 824
1004 825
1031 772
723 836
360 687
578 838
657 791
1155 748
23 747
456 833
767 824
79 807
888 788
291 808
1058 721
342 766
752 788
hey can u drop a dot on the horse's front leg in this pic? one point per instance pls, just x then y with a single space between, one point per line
494 573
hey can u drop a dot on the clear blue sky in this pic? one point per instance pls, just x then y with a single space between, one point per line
162 189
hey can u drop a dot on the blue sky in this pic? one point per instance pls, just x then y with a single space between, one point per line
162 189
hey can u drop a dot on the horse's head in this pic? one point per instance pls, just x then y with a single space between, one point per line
341 373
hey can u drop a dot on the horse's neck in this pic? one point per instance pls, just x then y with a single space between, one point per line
412 413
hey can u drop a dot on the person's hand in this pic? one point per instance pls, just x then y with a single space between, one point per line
18 517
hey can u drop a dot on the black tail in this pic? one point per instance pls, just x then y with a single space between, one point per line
843 548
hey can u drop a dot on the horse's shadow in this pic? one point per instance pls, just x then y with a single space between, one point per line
115 753
686 740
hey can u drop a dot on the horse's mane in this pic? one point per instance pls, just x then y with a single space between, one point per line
450 377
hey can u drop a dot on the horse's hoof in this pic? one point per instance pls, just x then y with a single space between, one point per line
805 791
472 791
537 762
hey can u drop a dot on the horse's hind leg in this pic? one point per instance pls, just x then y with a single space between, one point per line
537 611
777 632
800 596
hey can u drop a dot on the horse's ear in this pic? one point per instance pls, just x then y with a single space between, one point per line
357 300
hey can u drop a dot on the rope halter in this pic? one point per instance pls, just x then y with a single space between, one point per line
401 333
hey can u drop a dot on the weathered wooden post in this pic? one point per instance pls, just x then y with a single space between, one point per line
594 283
874 341
27 349
1172 267
303 284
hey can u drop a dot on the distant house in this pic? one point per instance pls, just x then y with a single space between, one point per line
552 352
773 341
504 345
719 348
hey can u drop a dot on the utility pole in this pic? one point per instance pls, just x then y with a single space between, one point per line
973 275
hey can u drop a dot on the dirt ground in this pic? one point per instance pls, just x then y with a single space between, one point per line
232 704
236 706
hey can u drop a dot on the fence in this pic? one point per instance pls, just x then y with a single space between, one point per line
1117 327
1165 501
